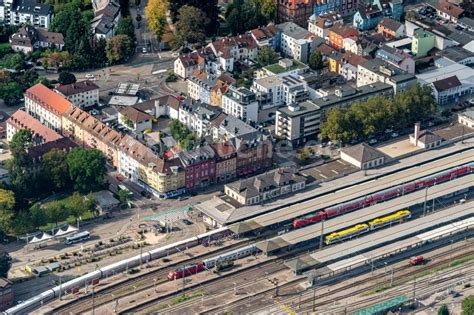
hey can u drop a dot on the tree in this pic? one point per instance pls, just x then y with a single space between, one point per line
443 310
316 60
21 140
467 305
243 15
119 48
55 168
128 122
209 7
156 15
125 27
7 204
55 212
44 81
10 92
66 78
410 15
5 263
13 61
267 56
191 26
86 168
122 196
38 216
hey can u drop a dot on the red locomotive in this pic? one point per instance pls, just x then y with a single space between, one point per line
185 271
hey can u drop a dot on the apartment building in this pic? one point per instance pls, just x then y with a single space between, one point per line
200 166
46 106
226 161
241 103
377 70
88 131
26 12
320 25
298 123
22 120
269 91
198 117
296 42
82 94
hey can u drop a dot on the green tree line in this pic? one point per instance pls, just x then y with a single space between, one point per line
364 119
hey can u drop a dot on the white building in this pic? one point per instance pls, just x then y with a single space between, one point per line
269 91
241 103
320 25
198 117
466 118
228 50
376 70
294 90
363 156
450 82
46 106
200 86
298 123
82 94
135 120
296 42
21 12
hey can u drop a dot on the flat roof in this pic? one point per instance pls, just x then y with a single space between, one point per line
366 214
382 242
353 192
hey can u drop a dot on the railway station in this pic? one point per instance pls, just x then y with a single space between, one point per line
286 214
397 240
308 235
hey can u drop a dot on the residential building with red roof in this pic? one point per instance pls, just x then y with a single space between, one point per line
349 63
449 11
339 32
82 94
186 64
265 36
22 120
296 11
88 131
226 161
134 119
320 25
46 106
391 28
229 50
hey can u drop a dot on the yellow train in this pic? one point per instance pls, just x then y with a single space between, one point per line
347 233
397 217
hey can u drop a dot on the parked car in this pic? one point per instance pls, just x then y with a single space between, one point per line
90 76
394 134
372 141
144 50
187 222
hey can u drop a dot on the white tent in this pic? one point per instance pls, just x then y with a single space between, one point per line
63 232
44 237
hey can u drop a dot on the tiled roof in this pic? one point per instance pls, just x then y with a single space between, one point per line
224 149
390 24
222 47
265 32
22 120
76 88
447 83
170 100
363 153
197 155
450 9
93 126
48 99
139 152
344 30
135 115
353 59
60 144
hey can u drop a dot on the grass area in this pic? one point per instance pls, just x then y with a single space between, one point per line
424 273
276 68
66 202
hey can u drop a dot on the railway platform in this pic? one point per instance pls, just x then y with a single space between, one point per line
393 242
287 214
310 234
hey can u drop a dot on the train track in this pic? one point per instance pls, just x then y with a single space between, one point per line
307 296
126 287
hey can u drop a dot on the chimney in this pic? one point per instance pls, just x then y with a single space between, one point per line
417 133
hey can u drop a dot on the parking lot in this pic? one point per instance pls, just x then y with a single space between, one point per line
335 168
